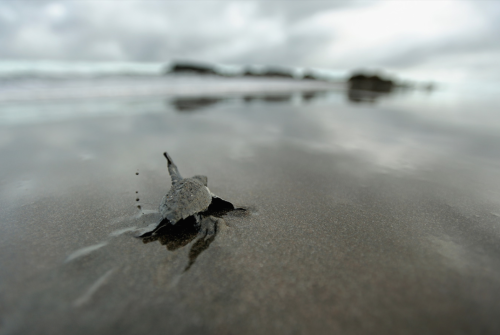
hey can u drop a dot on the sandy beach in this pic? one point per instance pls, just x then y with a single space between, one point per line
362 218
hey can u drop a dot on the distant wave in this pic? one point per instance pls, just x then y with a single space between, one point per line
34 89
54 69
15 69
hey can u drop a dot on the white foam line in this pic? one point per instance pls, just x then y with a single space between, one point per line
85 298
168 89
84 251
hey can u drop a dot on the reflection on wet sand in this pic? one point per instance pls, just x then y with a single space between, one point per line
189 104
282 97
309 96
196 103
361 88
277 98
357 96
272 98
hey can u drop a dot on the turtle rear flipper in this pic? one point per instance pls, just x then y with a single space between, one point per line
209 226
208 230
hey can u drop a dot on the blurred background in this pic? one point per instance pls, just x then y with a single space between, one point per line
444 41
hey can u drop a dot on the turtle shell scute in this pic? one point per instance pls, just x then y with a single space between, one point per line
185 198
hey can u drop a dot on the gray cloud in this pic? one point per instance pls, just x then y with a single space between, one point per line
239 32
158 30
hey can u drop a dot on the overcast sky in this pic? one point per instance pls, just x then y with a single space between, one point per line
452 40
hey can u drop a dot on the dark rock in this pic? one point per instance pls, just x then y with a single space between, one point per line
195 68
309 76
269 73
372 83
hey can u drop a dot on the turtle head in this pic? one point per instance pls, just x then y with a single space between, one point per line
172 169
167 156
201 179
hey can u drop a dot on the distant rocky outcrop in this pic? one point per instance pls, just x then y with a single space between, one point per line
194 68
269 73
310 75
358 81
373 83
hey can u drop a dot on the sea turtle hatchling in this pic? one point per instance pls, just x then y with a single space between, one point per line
189 197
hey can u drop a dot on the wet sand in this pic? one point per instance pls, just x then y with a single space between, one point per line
362 218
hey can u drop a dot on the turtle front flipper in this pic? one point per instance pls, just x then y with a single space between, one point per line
219 206
172 169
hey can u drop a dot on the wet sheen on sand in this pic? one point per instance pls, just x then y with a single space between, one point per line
362 218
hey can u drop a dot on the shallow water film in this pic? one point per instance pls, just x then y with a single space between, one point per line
364 213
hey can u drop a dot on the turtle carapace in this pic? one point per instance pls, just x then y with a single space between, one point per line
189 197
